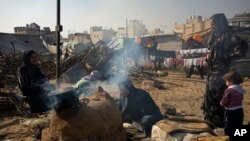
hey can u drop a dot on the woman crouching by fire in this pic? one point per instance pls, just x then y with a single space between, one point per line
138 107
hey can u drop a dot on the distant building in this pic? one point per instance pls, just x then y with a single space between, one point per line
95 28
75 44
156 31
193 24
100 34
83 38
121 32
240 20
31 29
34 29
136 28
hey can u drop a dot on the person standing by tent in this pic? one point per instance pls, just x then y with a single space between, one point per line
224 47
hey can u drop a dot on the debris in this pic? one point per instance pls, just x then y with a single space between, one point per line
168 109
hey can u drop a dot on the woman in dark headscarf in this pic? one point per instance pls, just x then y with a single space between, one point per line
138 107
224 47
31 82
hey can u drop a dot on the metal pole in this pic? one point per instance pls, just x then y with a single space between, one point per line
125 45
58 50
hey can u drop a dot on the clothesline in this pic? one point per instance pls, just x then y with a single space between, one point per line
191 51
185 62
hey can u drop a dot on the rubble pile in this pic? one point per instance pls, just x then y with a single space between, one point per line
5 102
8 68
96 58
49 69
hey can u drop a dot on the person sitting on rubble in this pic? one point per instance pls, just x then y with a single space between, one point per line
33 84
138 107
87 84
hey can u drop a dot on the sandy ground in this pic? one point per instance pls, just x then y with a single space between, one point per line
185 94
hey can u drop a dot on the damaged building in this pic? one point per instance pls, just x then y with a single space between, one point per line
16 44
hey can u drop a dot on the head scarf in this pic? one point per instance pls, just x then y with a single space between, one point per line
128 84
26 56
220 28
124 100
220 23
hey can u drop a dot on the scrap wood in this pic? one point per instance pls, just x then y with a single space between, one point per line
10 101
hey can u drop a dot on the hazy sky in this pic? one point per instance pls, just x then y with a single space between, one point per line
79 15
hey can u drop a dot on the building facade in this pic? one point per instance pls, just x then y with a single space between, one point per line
121 32
136 28
83 38
100 34
193 25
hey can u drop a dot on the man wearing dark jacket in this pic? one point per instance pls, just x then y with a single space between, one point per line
32 82
138 107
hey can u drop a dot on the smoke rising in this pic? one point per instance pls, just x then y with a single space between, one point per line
119 65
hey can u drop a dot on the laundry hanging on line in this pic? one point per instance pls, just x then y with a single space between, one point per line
191 51
185 62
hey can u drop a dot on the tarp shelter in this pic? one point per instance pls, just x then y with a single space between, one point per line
19 43
161 45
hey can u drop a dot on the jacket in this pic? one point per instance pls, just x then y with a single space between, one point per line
233 97
31 80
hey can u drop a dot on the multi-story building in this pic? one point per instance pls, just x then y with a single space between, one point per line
193 25
30 29
121 32
100 34
95 28
136 28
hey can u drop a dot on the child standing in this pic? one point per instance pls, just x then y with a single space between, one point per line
232 101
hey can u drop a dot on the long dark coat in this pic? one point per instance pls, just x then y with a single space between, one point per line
142 109
31 82
224 47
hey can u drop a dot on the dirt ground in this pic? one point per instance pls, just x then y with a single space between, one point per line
185 94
